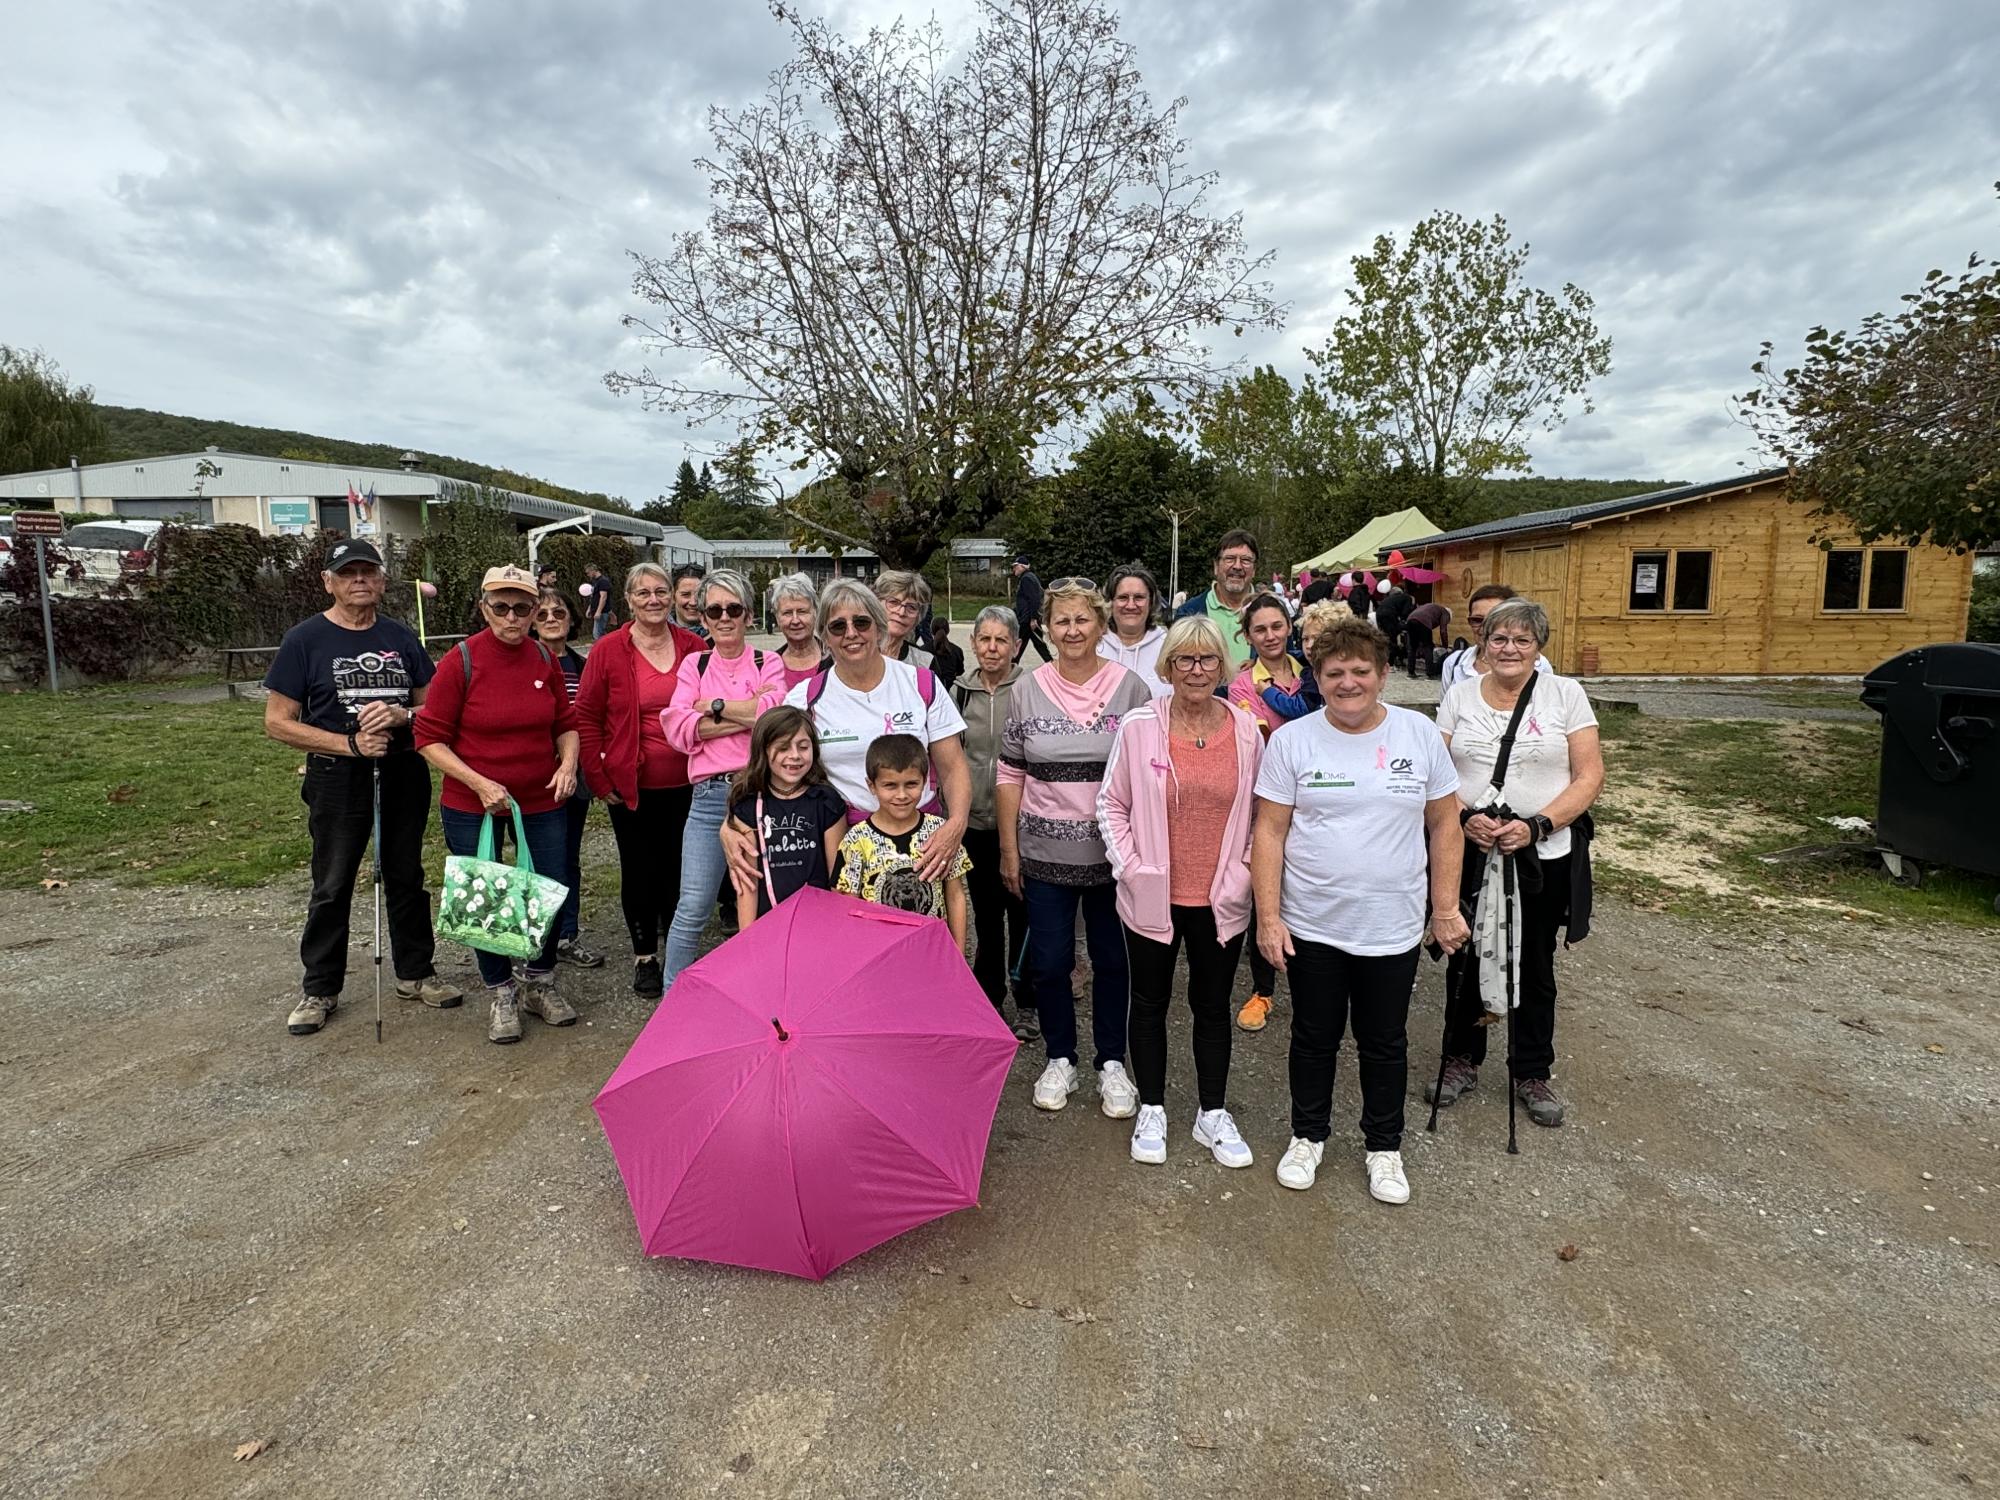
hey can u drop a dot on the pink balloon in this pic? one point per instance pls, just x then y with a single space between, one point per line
428 589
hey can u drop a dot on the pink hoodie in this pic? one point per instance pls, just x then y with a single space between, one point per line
1134 802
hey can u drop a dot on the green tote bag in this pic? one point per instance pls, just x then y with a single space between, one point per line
504 909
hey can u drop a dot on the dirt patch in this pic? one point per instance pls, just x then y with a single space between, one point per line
1641 827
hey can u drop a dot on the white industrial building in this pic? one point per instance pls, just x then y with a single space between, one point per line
293 496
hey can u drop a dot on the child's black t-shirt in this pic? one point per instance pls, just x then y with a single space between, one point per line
793 839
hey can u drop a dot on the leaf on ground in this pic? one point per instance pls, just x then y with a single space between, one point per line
553 1208
1076 1315
461 1225
934 1270
246 1451
1860 1023
1020 1301
1568 1252
741 1464
1935 1048
55 885
123 792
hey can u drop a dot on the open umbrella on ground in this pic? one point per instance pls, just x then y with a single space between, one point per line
820 1083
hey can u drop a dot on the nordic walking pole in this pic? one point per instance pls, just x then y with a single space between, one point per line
375 772
1438 1087
1507 957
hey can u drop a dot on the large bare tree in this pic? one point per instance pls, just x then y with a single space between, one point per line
918 264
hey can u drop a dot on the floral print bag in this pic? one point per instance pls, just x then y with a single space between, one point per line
504 909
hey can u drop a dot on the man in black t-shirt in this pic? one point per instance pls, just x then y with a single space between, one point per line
344 687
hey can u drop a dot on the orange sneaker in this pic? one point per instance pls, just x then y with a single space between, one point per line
1256 1011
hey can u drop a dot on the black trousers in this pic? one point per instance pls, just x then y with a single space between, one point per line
1211 974
1330 990
340 800
1032 636
1543 913
649 862
1263 976
1417 642
999 922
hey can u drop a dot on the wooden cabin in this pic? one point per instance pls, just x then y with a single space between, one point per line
1709 580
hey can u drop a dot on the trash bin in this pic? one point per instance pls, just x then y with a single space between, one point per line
1939 800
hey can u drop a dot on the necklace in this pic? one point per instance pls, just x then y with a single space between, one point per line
1200 737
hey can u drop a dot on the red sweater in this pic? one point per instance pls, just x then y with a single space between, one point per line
505 727
607 712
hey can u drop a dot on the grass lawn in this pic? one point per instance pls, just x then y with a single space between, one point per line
1702 799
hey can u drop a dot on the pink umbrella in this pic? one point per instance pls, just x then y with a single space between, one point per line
820 1083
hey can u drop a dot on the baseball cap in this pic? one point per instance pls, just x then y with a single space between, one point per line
507 576
350 550
1022 560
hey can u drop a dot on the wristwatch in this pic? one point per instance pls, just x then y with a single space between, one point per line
715 710
1539 825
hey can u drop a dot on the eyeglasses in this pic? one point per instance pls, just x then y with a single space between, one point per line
1238 560
1477 622
1195 663
519 611
859 624
1072 583
901 603
1512 642
652 596
730 611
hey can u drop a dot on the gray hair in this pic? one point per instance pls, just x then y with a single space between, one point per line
794 586
998 614
854 594
730 582
1189 631
1519 611
898 584
640 570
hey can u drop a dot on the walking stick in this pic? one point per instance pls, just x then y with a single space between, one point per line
1438 1087
375 769
1507 881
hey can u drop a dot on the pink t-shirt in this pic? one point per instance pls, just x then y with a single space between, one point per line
705 676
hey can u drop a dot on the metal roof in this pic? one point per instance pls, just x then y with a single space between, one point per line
771 548
1564 517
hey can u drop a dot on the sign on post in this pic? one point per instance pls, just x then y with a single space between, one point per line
41 525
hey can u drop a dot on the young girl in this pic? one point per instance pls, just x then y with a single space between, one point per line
783 800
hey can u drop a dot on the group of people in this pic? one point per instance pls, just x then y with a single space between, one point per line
1182 787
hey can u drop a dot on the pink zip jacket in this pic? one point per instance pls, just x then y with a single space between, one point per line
1134 802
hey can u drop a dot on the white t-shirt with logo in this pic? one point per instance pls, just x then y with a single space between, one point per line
849 722
1538 767
1356 873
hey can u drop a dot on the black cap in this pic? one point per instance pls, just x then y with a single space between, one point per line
1022 561
351 550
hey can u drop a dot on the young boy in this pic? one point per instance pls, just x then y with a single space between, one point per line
878 855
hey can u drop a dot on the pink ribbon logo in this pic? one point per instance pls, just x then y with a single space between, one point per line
1381 757
1160 766
1534 727
888 724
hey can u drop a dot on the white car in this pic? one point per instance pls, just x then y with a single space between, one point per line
103 554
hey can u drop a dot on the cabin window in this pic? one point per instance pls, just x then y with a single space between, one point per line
1671 580
1865 578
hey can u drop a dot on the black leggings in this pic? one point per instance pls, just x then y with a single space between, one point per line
996 912
1263 977
1543 914
649 862
1330 987
1211 973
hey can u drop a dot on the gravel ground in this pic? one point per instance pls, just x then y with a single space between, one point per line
410 1269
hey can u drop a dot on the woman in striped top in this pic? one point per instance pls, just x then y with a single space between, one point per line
1061 720
554 627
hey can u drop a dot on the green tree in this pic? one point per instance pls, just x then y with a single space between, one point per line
1107 507
920 262
1893 430
1452 358
44 420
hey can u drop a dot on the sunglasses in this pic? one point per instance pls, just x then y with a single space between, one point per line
859 624
519 611
1072 583
551 614
723 612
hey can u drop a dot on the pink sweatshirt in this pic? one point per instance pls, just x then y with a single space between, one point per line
1134 804
753 674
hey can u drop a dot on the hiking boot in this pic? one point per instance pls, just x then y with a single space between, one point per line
310 1014
539 998
571 951
431 991
647 982
1027 1025
1256 1011
1460 1077
504 1024
1543 1105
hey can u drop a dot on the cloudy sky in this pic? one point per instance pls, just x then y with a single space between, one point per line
406 221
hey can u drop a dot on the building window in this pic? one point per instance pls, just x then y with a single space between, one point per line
1677 580
1865 578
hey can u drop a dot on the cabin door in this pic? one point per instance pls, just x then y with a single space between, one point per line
1542 574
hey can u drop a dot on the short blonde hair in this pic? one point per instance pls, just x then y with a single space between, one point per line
1316 617
1190 633
1073 589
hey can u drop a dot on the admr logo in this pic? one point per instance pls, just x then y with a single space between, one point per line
1317 780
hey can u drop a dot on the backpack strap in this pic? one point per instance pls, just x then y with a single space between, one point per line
814 689
927 685
701 666
464 650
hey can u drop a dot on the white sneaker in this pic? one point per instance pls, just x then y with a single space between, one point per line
1057 1083
1117 1096
1300 1163
1149 1136
1214 1129
1386 1182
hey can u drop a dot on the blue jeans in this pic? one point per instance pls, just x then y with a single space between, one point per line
702 869
577 809
600 627
547 833
1052 960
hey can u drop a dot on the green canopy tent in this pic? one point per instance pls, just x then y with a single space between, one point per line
1362 549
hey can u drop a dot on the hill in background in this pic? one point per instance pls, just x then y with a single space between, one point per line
132 432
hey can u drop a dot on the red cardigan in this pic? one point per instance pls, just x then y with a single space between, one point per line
607 712
506 727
